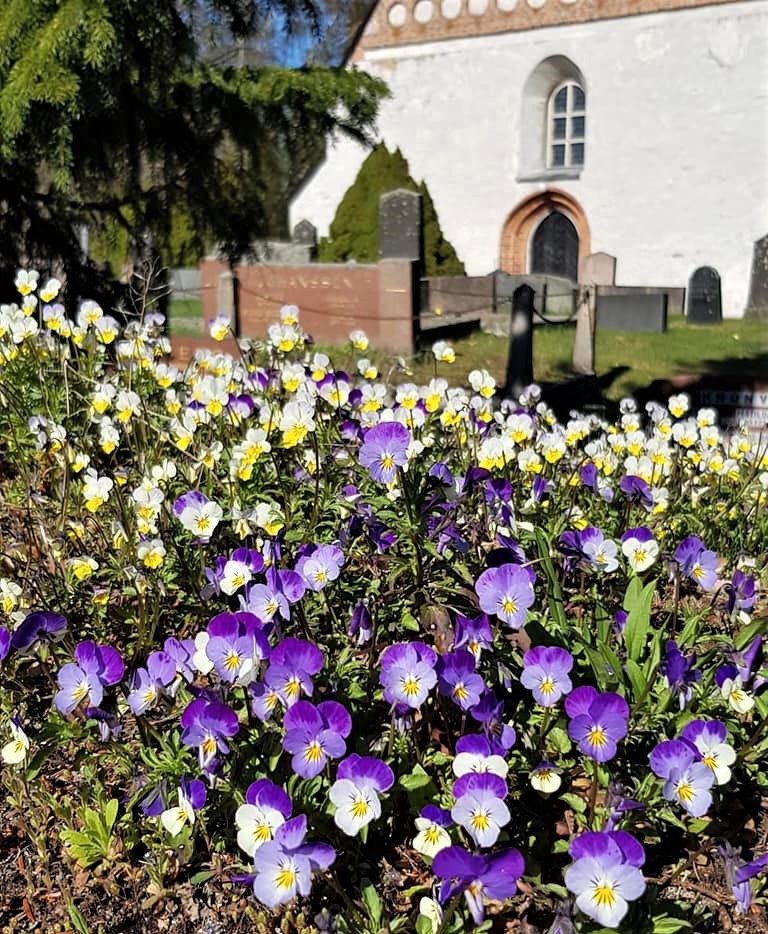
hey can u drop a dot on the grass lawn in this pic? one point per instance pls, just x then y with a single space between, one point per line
185 317
737 347
734 346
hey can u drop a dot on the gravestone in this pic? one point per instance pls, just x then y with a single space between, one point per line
597 269
520 359
305 234
704 298
757 305
632 311
400 225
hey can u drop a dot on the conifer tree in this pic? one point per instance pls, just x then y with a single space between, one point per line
354 232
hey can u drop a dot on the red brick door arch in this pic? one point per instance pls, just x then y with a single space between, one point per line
522 222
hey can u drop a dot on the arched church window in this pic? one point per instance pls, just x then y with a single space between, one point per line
566 123
552 127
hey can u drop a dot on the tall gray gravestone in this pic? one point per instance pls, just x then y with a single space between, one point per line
520 359
704 298
757 305
400 225
305 234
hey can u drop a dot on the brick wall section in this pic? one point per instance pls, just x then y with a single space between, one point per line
332 300
380 34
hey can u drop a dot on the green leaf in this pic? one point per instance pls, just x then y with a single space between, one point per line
199 877
417 778
664 924
637 603
555 603
110 813
372 903
409 621
559 739
78 920
636 679
574 801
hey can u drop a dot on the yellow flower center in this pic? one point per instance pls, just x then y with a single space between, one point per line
480 821
547 685
314 752
360 808
286 877
597 737
410 686
604 896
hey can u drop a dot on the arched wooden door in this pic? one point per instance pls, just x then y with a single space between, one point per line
555 247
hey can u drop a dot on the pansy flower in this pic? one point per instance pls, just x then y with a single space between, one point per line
679 672
709 739
696 562
384 449
545 778
605 874
507 592
267 807
477 877
39 626
597 721
457 678
315 734
191 797
15 751
198 514
432 835
408 673
473 634
474 754
206 725
738 873
285 864
320 564
293 664
95 667
546 673
480 807
355 793
687 780
640 548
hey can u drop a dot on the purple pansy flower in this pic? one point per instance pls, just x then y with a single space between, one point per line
740 592
489 711
640 548
637 491
605 874
38 626
5 642
480 807
473 634
599 552
191 798
545 673
284 865
494 876
236 646
618 804
274 598
147 684
320 564
408 673
293 664
206 725
696 562
506 591
95 667
315 734
679 673
686 779
458 679
738 873
355 793
384 449
597 721
360 624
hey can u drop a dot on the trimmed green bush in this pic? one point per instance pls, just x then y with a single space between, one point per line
354 233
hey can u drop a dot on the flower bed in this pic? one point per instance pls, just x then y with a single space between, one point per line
300 649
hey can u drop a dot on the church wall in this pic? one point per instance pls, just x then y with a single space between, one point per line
676 144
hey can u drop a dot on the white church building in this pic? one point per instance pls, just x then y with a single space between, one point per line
547 130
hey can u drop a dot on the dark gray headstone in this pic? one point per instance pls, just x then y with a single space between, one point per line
520 359
704 299
305 233
400 225
758 283
632 311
